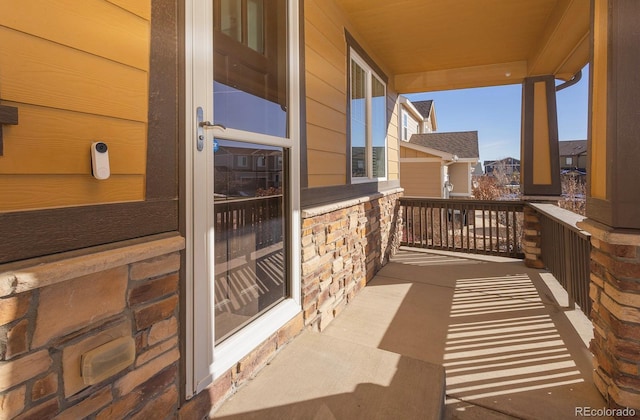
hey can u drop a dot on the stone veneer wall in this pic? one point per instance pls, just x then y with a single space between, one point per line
532 240
615 291
207 401
52 313
343 246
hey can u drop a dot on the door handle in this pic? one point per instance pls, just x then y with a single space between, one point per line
208 124
201 126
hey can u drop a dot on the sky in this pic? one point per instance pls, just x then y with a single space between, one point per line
495 112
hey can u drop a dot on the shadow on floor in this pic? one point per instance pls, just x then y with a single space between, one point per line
507 346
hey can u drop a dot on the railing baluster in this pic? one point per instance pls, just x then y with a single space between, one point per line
566 254
431 223
484 230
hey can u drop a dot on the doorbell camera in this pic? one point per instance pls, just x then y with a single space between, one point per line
100 160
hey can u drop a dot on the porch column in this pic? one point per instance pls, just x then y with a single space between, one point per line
613 200
540 161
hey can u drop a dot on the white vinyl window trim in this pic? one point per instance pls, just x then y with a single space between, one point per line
405 125
204 361
370 75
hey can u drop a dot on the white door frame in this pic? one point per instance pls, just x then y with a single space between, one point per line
204 362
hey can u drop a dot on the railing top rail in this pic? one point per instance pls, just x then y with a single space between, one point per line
562 216
220 200
505 203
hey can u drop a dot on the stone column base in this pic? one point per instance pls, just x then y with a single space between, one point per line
615 291
532 238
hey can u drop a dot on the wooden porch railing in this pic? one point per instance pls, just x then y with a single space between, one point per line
473 226
566 251
245 225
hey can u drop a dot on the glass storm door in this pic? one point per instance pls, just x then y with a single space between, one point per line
245 177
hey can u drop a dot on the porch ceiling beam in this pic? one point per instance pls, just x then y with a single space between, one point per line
563 48
461 78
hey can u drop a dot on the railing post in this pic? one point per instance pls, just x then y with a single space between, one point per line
532 239
566 250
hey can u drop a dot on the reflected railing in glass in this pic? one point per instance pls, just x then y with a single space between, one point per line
250 240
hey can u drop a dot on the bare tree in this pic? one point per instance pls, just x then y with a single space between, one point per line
573 193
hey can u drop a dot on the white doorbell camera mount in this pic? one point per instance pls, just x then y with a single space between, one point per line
100 160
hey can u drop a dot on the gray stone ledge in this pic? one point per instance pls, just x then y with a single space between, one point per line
328 208
29 277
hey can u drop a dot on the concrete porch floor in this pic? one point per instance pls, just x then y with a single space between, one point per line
502 332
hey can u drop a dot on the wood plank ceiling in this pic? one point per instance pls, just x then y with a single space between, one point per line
448 44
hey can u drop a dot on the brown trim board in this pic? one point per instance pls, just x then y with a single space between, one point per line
311 197
529 187
43 232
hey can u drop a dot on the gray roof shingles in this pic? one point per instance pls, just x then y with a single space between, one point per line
423 107
572 147
464 144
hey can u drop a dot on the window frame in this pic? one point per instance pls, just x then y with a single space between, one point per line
371 73
405 125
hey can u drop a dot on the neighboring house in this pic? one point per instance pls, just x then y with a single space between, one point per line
477 171
573 155
416 118
242 172
431 162
427 110
508 165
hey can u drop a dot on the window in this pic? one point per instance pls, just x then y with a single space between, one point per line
405 126
569 161
250 69
368 118
243 161
243 21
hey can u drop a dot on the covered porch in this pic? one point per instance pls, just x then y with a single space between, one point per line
501 331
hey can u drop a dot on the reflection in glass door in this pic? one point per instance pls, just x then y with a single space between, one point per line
250 97
250 237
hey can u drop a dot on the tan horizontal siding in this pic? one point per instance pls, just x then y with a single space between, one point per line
328 20
39 72
421 179
405 152
320 91
323 116
141 8
56 141
77 72
121 36
333 76
394 170
326 180
318 43
327 163
327 140
22 192
459 176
